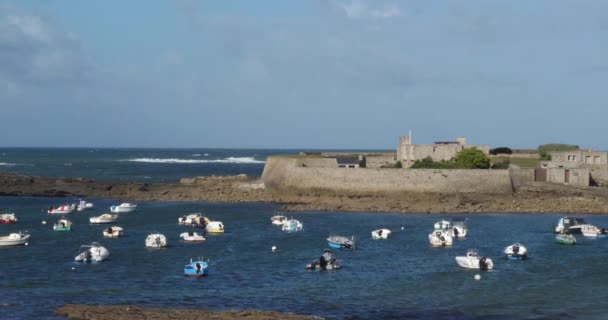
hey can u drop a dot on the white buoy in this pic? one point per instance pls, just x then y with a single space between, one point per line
43 222
73 268
27 243
274 248
402 228
477 277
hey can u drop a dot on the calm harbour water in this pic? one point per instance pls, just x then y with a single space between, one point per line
397 278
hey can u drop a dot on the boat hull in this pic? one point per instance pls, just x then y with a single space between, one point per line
2 221
62 228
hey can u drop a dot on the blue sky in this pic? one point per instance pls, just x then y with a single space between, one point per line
302 73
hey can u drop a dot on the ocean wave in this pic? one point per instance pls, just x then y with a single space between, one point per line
7 164
237 160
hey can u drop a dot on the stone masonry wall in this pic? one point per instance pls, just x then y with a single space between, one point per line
286 173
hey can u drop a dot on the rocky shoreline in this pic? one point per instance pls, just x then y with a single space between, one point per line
86 312
534 199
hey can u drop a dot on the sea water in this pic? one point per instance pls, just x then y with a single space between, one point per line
402 277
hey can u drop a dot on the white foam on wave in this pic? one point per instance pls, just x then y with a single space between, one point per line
7 164
238 160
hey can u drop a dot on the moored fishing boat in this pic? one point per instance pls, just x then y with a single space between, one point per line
440 238
565 239
278 220
104 218
94 252
113 232
63 224
213 226
472 260
156 240
64 209
8 218
570 225
197 268
591 231
292 225
192 219
14 239
381 234
191 236
441 225
327 261
341 242
516 251
83 205
123 208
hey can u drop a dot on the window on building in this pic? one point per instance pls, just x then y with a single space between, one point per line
597 160
573 158
569 158
588 159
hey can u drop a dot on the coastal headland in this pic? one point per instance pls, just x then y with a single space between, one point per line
299 186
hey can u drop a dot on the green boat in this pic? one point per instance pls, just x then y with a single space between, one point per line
63 225
565 239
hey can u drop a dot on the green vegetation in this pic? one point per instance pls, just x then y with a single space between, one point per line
396 165
466 159
428 163
497 162
472 158
501 150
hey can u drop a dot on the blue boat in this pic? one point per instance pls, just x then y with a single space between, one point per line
197 268
341 242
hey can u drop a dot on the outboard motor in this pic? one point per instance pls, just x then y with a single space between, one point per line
455 232
516 250
483 265
442 238
198 267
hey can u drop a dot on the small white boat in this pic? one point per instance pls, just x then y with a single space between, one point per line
292 225
278 220
196 219
64 209
104 218
83 205
8 218
14 239
214 226
381 234
473 261
458 228
516 251
570 225
113 232
591 231
123 208
192 237
440 238
92 253
156 240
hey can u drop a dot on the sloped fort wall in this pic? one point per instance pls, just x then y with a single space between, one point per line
323 173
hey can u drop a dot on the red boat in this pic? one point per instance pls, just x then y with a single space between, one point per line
8 218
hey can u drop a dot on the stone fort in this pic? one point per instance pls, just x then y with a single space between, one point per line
408 153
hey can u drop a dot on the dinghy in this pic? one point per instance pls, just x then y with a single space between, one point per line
104 218
456 227
341 242
8 218
14 239
326 262
278 220
113 232
64 209
92 253
192 237
472 260
381 234
292 225
156 240
123 208
516 251
63 224
440 238
565 239
197 268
